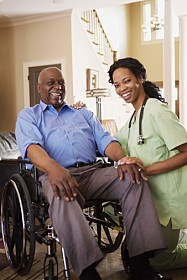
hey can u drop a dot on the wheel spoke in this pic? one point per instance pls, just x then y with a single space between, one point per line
108 229
18 220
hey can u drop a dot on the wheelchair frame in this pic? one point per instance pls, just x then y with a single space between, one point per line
24 213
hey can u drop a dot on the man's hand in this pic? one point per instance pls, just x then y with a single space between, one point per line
61 180
63 183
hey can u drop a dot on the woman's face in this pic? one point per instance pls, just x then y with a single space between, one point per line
127 86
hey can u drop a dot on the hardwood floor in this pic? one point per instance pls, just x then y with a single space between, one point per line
110 268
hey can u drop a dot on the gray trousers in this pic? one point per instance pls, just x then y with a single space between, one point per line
139 215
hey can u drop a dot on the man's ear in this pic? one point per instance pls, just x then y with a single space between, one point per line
38 87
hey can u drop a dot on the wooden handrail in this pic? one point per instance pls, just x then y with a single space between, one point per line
99 37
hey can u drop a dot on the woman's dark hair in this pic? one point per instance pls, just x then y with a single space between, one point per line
139 72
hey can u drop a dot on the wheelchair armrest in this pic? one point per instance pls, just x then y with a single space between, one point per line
13 161
106 160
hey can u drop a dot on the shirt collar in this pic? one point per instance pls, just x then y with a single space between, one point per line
45 106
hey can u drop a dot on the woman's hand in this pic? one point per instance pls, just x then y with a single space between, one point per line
131 160
78 105
134 161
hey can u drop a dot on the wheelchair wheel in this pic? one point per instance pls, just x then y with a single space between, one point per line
107 226
51 270
125 256
17 222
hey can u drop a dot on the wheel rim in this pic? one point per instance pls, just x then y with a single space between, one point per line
107 231
17 222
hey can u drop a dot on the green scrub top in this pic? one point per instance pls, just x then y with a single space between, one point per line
162 133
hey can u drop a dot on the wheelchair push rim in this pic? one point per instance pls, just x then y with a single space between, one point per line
17 223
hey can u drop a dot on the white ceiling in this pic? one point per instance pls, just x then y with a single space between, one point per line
16 9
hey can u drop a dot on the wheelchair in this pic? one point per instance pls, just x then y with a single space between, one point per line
24 213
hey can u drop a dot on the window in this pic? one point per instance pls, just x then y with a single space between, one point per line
159 7
153 15
153 20
146 21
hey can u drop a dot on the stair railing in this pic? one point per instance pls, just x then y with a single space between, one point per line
99 37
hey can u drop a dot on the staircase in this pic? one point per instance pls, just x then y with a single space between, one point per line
98 37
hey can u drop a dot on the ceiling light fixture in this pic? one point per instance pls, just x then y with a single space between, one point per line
155 24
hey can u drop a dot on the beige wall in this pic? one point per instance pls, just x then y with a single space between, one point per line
7 79
48 40
40 41
63 37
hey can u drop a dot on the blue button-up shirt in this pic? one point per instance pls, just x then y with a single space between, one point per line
68 136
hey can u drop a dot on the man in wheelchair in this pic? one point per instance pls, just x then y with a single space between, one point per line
61 142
